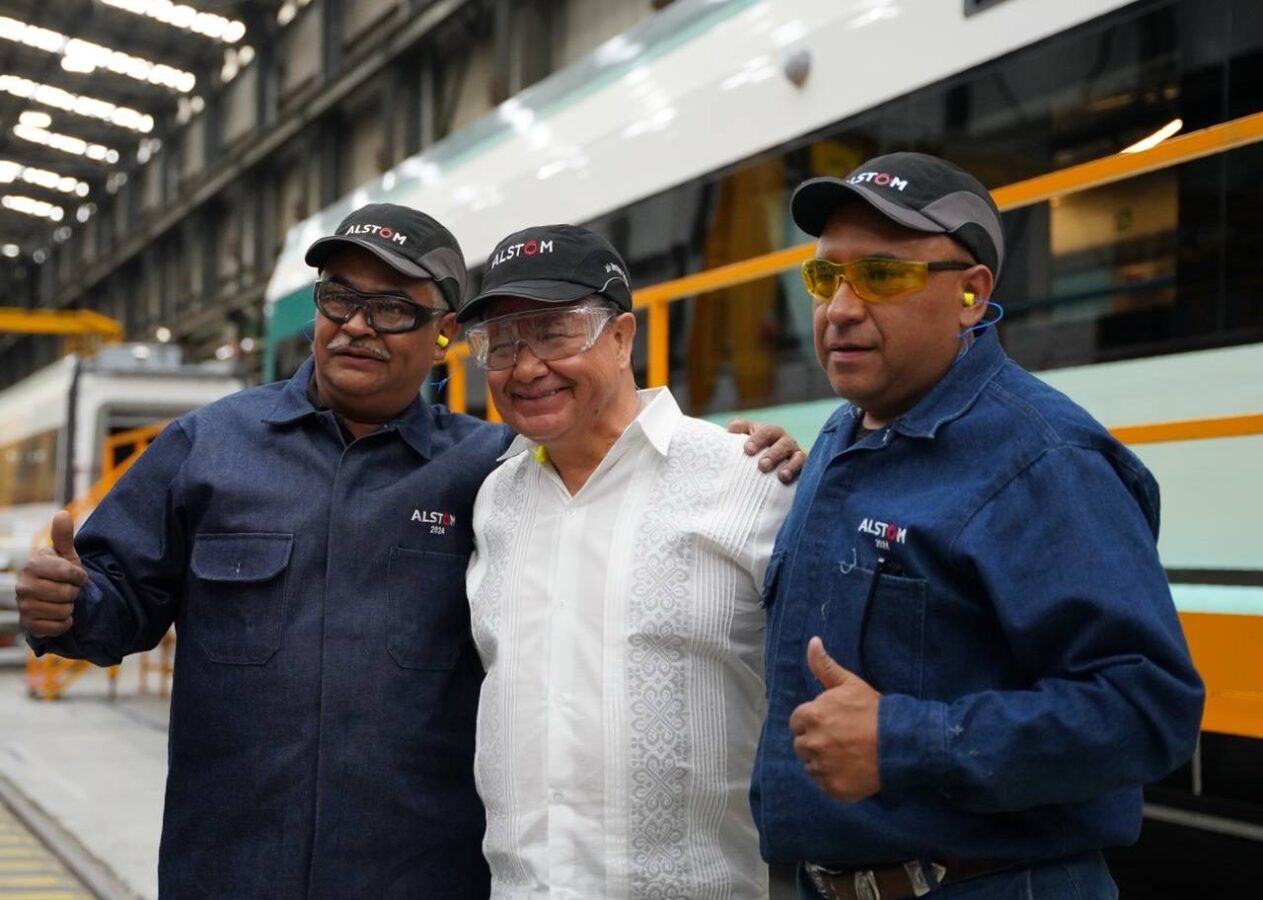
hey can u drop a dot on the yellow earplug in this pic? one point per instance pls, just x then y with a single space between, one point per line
442 340
969 298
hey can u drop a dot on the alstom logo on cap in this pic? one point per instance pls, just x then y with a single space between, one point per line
883 179
382 231
524 248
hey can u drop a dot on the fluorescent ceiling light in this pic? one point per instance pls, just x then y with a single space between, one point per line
1168 130
80 105
85 57
13 171
185 18
38 119
32 207
65 143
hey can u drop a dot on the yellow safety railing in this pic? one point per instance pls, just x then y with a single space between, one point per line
48 676
656 298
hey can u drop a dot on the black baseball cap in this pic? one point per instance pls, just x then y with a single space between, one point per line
555 264
406 240
914 190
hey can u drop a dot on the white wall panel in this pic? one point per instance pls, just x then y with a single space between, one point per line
298 51
239 105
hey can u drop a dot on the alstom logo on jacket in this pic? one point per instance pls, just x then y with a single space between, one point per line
382 231
886 531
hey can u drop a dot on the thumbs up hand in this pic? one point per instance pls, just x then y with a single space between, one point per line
49 583
835 735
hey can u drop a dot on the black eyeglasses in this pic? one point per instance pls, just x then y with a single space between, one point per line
385 313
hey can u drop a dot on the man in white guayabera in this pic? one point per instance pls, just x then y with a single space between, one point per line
615 598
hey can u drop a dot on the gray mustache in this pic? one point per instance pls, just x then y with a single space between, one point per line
359 343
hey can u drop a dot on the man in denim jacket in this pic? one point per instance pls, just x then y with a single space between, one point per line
973 660
308 539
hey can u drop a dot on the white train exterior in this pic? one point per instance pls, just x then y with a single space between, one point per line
53 428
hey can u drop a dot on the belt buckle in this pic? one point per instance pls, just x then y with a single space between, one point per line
866 885
916 877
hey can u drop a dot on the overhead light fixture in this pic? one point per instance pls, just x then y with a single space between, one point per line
37 119
185 18
1170 129
12 171
32 207
85 57
11 250
66 143
80 105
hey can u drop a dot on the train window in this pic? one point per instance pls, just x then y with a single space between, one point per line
1135 268
28 470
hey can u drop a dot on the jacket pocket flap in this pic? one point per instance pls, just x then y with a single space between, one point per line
240 557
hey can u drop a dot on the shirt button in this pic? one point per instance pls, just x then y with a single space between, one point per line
570 513
558 796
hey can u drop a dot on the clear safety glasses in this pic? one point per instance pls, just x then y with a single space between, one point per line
385 313
877 279
548 333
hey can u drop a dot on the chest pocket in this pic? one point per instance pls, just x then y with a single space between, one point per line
427 614
236 597
891 632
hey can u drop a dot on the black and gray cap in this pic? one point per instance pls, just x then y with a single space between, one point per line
406 240
915 190
554 264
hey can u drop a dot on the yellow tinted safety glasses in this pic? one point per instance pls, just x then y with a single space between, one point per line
876 279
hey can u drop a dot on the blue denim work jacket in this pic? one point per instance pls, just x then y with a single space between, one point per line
1021 630
326 684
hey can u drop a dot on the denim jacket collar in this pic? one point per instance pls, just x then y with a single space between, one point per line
415 424
956 391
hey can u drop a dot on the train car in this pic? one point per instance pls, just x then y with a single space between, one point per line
1124 140
65 425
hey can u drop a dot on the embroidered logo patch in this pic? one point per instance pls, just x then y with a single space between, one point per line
438 521
884 533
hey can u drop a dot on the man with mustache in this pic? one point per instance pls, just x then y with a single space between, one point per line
309 540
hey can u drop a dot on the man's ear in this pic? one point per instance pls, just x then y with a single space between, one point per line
444 335
624 329
976 288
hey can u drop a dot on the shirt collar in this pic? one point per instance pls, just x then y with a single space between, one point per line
957 390
657 419
415 424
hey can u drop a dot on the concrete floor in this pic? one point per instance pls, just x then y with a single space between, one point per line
95 767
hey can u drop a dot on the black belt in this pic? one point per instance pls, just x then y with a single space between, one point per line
898 882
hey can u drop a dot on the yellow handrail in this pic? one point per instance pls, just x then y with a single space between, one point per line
48 676
1094 173
1190 429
